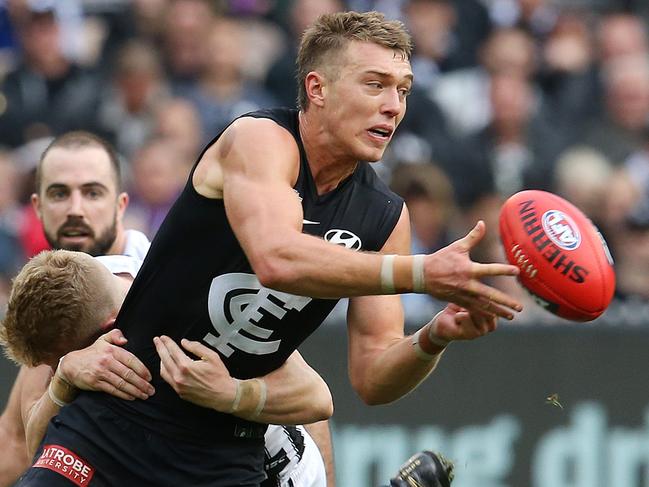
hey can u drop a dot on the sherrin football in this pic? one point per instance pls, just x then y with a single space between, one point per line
563 259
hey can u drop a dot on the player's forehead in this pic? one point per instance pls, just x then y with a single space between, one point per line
360 57
77 166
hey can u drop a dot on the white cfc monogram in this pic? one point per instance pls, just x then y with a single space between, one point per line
238 302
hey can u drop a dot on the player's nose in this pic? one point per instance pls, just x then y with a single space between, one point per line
75 207
391 103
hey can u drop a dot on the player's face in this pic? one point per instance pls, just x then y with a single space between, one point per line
367 100
78 203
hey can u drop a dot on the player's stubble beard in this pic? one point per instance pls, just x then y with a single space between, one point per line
98 245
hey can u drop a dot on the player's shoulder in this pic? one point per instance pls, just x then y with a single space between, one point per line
272 126
288 118
261 142
253 137
258 144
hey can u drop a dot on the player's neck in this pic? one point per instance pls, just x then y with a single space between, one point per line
329 167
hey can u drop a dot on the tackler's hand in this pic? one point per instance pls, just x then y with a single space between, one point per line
205 382
105 366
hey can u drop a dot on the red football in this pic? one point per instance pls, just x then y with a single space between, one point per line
564 261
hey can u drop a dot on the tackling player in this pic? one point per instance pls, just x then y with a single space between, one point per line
61 301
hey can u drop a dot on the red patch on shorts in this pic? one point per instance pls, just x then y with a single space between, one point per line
64 462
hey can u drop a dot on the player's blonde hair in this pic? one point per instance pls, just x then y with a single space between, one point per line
330 33
57 301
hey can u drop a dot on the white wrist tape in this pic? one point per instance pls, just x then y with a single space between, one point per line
425 356
387 274
54 398
59 371
263 393
435 340
432 336
418 281
237 397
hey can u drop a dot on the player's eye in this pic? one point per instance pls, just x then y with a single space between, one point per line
57 194
94 193
404 92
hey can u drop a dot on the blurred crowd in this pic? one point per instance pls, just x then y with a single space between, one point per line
508 95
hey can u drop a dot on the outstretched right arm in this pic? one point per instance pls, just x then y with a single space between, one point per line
253 167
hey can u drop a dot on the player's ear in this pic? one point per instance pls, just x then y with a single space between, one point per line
36 204
314 85
122 203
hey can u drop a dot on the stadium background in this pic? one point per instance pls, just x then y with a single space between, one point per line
510 94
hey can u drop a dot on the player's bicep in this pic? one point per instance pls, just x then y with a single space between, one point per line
260 164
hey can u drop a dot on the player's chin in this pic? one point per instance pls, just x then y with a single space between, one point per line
370 148
372 154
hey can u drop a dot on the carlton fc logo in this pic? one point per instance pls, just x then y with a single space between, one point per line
344 238
244 314
561 229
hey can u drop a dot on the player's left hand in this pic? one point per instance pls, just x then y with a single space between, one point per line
205 382
457 323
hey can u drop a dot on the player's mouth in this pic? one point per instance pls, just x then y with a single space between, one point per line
381 133
75 234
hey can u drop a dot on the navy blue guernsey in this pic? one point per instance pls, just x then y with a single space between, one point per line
197 283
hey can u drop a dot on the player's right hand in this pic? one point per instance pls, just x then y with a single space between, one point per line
105 366
452 276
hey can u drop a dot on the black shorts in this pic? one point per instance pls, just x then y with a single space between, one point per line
104 449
